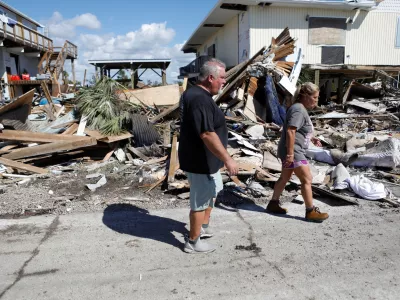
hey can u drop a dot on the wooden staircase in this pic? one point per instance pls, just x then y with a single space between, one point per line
52 62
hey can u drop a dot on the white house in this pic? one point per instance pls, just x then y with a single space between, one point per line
345 32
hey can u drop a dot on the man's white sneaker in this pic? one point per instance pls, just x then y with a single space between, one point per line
198 246
206 232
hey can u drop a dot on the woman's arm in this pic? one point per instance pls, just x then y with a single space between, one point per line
290 137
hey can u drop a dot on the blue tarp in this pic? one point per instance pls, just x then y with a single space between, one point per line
276 112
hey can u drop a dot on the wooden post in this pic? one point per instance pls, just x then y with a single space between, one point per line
73 71
316 81
84 79
173 160
164 75
132 77
184 84
340 89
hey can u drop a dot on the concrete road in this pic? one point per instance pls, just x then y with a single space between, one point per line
135 254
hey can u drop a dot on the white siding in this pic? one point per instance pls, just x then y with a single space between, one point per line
226 41
370 40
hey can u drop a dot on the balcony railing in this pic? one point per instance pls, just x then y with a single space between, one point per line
193 68
70 48
26 36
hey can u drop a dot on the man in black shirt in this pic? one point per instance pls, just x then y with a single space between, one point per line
202 151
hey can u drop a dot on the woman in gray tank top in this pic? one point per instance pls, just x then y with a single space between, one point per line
296 136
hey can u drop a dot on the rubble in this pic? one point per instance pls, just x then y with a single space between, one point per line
131 141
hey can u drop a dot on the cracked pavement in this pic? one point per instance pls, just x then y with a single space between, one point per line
128 252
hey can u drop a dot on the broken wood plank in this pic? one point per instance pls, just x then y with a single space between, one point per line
7 149
156 160
237 181
71 130
66 124
324 192
50 148
82 126
391 202
21 166
250 109
116 138
156 184
94 133
167 134
129 156
25 99
165 113
59 111
173 161
138 153
240 73
36 137
49 111
46 92
110 153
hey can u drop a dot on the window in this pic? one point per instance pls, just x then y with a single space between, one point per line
332 55
327 31
211 50
398 33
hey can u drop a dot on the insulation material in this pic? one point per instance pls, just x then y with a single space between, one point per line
367 189
386 155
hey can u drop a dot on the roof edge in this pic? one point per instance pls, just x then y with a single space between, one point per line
16 11
351 4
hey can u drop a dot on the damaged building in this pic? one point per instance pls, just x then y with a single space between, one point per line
337 41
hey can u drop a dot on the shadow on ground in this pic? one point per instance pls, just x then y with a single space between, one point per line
135 221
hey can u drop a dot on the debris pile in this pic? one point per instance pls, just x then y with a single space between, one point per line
106 123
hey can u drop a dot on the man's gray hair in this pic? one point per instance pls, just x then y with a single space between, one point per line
210 67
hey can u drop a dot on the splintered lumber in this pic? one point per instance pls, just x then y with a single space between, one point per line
115 138
94 133
238 182
36 137
51 148
156 184
156 160
330 194
173 162
138 153
21 166
165 113
250 110
71 130
82 125
46 92
66 124
239 75
7 149
25 99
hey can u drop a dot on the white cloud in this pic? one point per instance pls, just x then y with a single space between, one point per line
149 41
66 28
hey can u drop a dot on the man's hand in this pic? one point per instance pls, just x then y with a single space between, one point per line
231 167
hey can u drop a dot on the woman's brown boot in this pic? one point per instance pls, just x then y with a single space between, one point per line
274 207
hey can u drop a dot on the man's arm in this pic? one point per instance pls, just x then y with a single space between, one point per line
213 143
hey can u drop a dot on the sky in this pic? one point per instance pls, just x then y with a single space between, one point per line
105 29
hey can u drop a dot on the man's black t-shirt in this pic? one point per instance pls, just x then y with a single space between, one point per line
199 114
